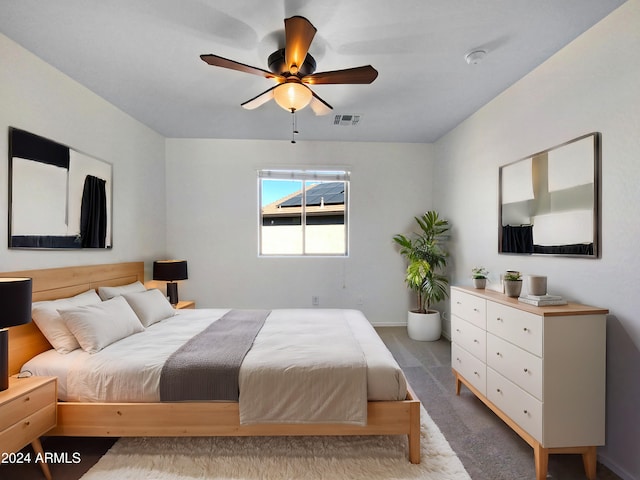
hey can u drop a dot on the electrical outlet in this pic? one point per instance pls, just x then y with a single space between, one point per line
315 300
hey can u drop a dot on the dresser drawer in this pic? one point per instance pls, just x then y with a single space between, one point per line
28 428
521 407
472 369
521 367
470 337
469 307
521 328
27 403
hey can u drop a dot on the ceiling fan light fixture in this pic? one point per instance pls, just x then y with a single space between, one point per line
292 96
292 67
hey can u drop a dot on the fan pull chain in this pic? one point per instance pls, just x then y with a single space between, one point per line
294 125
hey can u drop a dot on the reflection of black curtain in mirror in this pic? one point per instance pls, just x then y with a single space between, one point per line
517 239
93 214
576 249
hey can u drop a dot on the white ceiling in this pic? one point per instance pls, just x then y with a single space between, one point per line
143 57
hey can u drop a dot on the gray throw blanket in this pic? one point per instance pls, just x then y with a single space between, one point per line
208 365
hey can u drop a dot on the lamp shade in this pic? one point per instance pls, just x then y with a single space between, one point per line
15 298
170 270
292 96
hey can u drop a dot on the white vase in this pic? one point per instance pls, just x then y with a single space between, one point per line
479 282
537 284
425 327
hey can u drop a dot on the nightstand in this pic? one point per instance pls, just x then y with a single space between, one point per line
185 304
27 411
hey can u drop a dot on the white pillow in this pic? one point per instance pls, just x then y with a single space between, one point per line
96 326
45 315
151 306
107 293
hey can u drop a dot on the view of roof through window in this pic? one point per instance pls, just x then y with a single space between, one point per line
303 217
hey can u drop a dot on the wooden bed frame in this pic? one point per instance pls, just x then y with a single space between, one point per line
175 419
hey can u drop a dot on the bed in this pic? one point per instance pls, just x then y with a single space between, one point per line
153 418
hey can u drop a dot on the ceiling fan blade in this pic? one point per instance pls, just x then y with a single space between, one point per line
259 100
366 74
299 33
319 106
218 61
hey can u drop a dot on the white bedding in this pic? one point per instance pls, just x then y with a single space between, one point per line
129 369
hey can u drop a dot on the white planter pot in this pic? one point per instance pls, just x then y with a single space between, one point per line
512 288
425 327
480 282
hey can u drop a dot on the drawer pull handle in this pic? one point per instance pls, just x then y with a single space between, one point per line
499 319
526 370
498 390
476 373
458 359
458 303
525 329
26 399
498 354
458 330
476 340
526 412
27 423
476 310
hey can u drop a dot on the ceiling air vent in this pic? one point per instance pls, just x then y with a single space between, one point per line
346 120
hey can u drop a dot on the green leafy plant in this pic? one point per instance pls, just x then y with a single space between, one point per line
479 272
426 260
512 276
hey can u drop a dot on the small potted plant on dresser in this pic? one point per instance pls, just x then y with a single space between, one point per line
426 260
512 283
479 276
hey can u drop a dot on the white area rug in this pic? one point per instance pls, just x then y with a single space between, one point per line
278 458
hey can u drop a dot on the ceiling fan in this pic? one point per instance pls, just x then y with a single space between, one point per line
293 69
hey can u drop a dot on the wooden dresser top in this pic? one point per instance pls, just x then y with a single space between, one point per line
548 311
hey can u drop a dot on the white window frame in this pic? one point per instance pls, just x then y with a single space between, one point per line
303 175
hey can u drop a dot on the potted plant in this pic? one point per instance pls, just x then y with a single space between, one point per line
426 260
512 283
479 276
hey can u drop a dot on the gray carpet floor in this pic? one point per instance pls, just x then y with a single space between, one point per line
488 448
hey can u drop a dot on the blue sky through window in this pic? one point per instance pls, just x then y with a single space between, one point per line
273 190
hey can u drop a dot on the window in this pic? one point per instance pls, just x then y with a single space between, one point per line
303 212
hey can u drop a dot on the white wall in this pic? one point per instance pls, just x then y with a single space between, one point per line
591 85
212 218
38 98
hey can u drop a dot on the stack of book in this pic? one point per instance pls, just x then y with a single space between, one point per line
542 300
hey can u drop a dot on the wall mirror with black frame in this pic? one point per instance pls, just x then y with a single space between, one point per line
549 202
58 197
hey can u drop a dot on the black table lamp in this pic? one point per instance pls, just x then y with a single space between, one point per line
15 298
170 271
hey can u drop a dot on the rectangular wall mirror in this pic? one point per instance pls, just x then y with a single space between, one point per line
58 197
549 203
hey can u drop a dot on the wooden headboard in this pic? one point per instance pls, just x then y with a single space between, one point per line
26 341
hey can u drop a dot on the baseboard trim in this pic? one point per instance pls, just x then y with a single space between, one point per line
615 468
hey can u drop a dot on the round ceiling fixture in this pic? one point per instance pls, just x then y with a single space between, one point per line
475 56
292 95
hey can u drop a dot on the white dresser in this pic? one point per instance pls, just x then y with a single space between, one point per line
540 369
